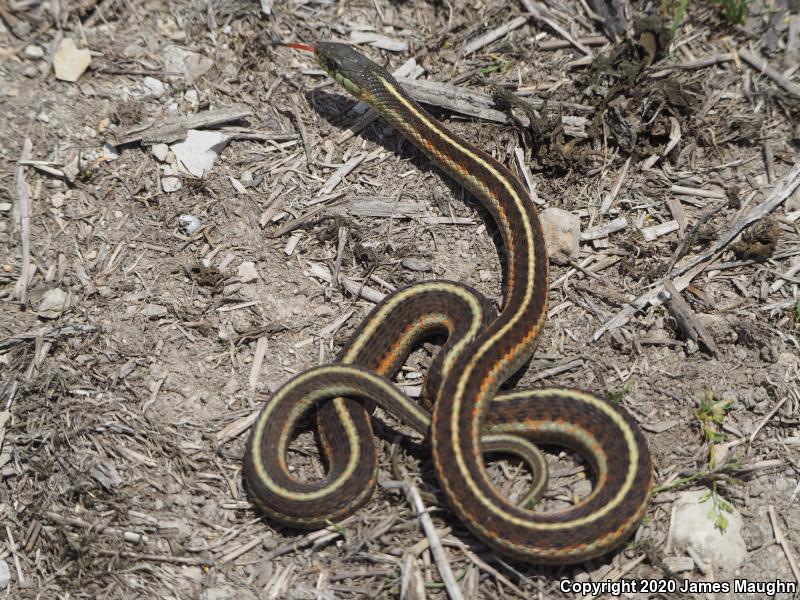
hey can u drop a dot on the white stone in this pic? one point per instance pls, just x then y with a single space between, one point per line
179 62
191 97
247 272
171 184
191 223
53 304
154 311
154 87
57 201
34 51
5 575
416 264
562 234
70 62
110 152
160 151
199 151
696 528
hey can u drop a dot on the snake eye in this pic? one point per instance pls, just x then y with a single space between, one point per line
330 64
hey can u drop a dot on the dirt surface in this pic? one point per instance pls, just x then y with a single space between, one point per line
126 404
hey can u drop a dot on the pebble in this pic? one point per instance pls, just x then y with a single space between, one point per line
191 223
171 184
416 264
69 61
53 304
154 311
110 152
154 87
199 151
179 62
247 272
34 51
696 530
160 151
562 234
57 201
5 575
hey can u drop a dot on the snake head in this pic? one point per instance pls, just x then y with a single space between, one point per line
357 74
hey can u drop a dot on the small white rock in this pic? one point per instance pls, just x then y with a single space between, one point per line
70 62
43 117
199 151
154 311
110 152
34 51
53 304
191 223
416 264
247 272
160 151
5 575
5 206
696 528
57 201
171 184
191 97
154 87
179 62
562 234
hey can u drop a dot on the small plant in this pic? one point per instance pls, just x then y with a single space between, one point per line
719 508
677 10
725 473
501 66
734 10
711 414
616 397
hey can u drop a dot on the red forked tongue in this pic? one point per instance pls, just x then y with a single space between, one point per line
304 47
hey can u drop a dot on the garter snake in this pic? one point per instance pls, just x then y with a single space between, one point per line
471 416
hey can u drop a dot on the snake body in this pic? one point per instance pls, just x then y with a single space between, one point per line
471 416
